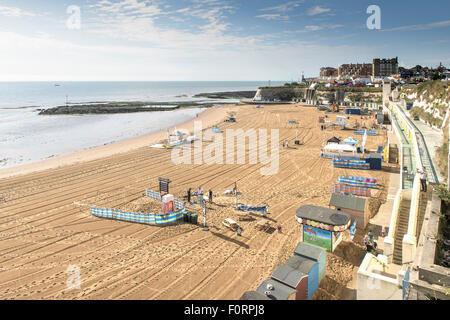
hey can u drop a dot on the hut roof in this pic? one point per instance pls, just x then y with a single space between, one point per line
253 295
323 215
301 264
280 291
309 250
334 140
347 202
288 275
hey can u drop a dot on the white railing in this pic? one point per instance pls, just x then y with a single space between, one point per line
389 241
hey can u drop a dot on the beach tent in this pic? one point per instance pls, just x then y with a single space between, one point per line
334 140
340 147
351 141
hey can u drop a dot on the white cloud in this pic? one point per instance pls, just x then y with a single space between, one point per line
273 16
428 26
288 6
317 10
15 12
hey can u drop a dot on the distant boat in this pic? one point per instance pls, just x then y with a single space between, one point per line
57 85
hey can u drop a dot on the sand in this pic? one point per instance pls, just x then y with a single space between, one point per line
46 227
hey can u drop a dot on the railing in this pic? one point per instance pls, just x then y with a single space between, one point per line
389 241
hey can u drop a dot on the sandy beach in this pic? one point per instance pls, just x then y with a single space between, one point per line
46 227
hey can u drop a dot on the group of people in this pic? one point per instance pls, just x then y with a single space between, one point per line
370 243
199 194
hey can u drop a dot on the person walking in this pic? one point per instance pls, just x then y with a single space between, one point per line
210 195
189 195
423 179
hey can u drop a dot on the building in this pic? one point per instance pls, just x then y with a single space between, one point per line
384 67
275 290
347 71
293 278
356 207
328 73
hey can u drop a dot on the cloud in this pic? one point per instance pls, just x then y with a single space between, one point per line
285 7
416 27
317 10
273 16
15 12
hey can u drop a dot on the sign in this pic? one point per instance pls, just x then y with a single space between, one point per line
318 237
164 185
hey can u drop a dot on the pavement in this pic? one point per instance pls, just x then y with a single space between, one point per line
433 139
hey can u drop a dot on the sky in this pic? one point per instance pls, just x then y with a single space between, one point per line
206 40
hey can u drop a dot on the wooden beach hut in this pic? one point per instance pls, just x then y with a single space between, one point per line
322 227
275 290
356 207
253 295
293 278
309 267
314 253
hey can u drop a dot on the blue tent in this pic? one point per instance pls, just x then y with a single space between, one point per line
350 141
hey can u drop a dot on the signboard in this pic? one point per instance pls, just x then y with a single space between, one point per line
318 237
164 185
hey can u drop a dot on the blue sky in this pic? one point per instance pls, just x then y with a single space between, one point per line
213 39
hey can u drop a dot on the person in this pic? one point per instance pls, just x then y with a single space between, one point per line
279 229
200 195
189 195
239 231
210 195
287 144
423 179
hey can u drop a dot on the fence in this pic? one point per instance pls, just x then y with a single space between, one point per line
361 132
351 164
157 196
146 218
358 181
352 190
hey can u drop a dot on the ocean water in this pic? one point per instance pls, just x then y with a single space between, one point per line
27 137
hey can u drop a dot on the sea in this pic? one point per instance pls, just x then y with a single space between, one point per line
26 136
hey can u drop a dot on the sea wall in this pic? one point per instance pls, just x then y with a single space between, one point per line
321 94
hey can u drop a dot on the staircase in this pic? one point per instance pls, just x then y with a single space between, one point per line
424 197
393 153
401 230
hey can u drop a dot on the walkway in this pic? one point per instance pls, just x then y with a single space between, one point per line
426 155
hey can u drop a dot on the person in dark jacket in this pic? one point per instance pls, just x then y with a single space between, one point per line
210 195
189 195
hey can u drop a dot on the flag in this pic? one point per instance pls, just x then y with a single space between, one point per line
353 230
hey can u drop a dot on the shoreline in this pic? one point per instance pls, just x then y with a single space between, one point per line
209 117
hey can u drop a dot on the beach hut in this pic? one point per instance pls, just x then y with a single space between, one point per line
375 160
293 278
356 207
333 140
275 290
314 253
322 227
253 295
309 267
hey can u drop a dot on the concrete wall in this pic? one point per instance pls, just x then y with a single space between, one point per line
373 284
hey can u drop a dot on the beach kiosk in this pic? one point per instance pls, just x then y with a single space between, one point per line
322 227
314 253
